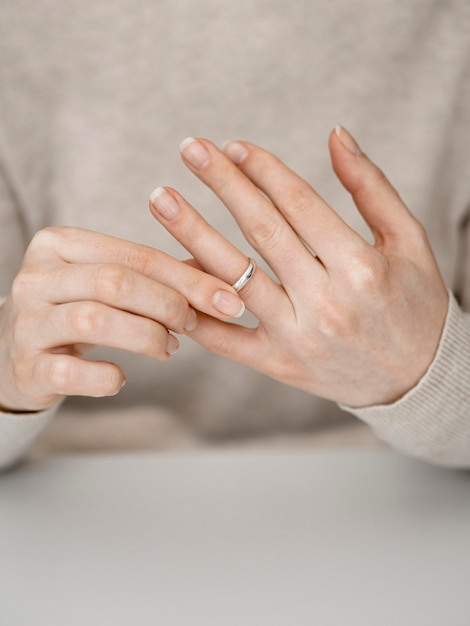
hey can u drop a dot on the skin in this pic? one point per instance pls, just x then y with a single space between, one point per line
355 323
77 289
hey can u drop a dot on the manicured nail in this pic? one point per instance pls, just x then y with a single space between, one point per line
164 203
228 304
235 151
191 320
195 153
172 345
347 140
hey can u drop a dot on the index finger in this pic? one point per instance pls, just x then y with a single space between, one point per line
77 245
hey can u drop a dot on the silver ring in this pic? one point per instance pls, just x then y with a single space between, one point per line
246 276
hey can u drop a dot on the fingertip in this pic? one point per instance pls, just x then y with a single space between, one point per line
172 345
191 320
227 303
347 158
346 140
119 385
236 151
164 203
195 153
185 143
104 380
116 379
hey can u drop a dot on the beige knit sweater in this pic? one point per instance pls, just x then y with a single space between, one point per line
94 100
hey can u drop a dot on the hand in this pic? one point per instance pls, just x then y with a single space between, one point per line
77 289
352 322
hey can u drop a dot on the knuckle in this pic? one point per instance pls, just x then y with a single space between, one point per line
265 234
368 283
44 238
110 282
219 346
377 176
86 319
22 285
176 309
51 240
368 273
332 321
372 179
299 202
48 238
155 342
196 287
60 374
138 258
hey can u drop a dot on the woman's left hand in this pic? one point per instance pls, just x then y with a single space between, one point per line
352 322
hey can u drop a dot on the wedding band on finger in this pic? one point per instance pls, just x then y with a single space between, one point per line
246 276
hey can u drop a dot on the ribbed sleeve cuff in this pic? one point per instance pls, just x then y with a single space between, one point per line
432 421
18 431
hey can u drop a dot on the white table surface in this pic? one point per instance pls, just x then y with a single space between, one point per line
235 538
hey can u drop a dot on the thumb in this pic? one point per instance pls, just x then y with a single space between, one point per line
375 197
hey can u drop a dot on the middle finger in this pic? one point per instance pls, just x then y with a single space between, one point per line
265 228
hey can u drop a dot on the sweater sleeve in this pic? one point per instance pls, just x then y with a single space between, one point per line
13 237
432 421
18 431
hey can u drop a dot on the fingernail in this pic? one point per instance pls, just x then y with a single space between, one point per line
195 153
164 203
172 345
347 140
228 304
235 151
191 320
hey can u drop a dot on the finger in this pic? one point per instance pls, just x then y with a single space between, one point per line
193 263
66 375
97 324
215 254
377 200
248 346
78 246
309 215
118 287
238 343
262 224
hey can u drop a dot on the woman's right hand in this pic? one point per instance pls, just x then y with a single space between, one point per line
77 289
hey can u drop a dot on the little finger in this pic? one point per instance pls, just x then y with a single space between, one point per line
67 375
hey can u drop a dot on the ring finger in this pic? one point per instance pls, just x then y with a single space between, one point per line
215 254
